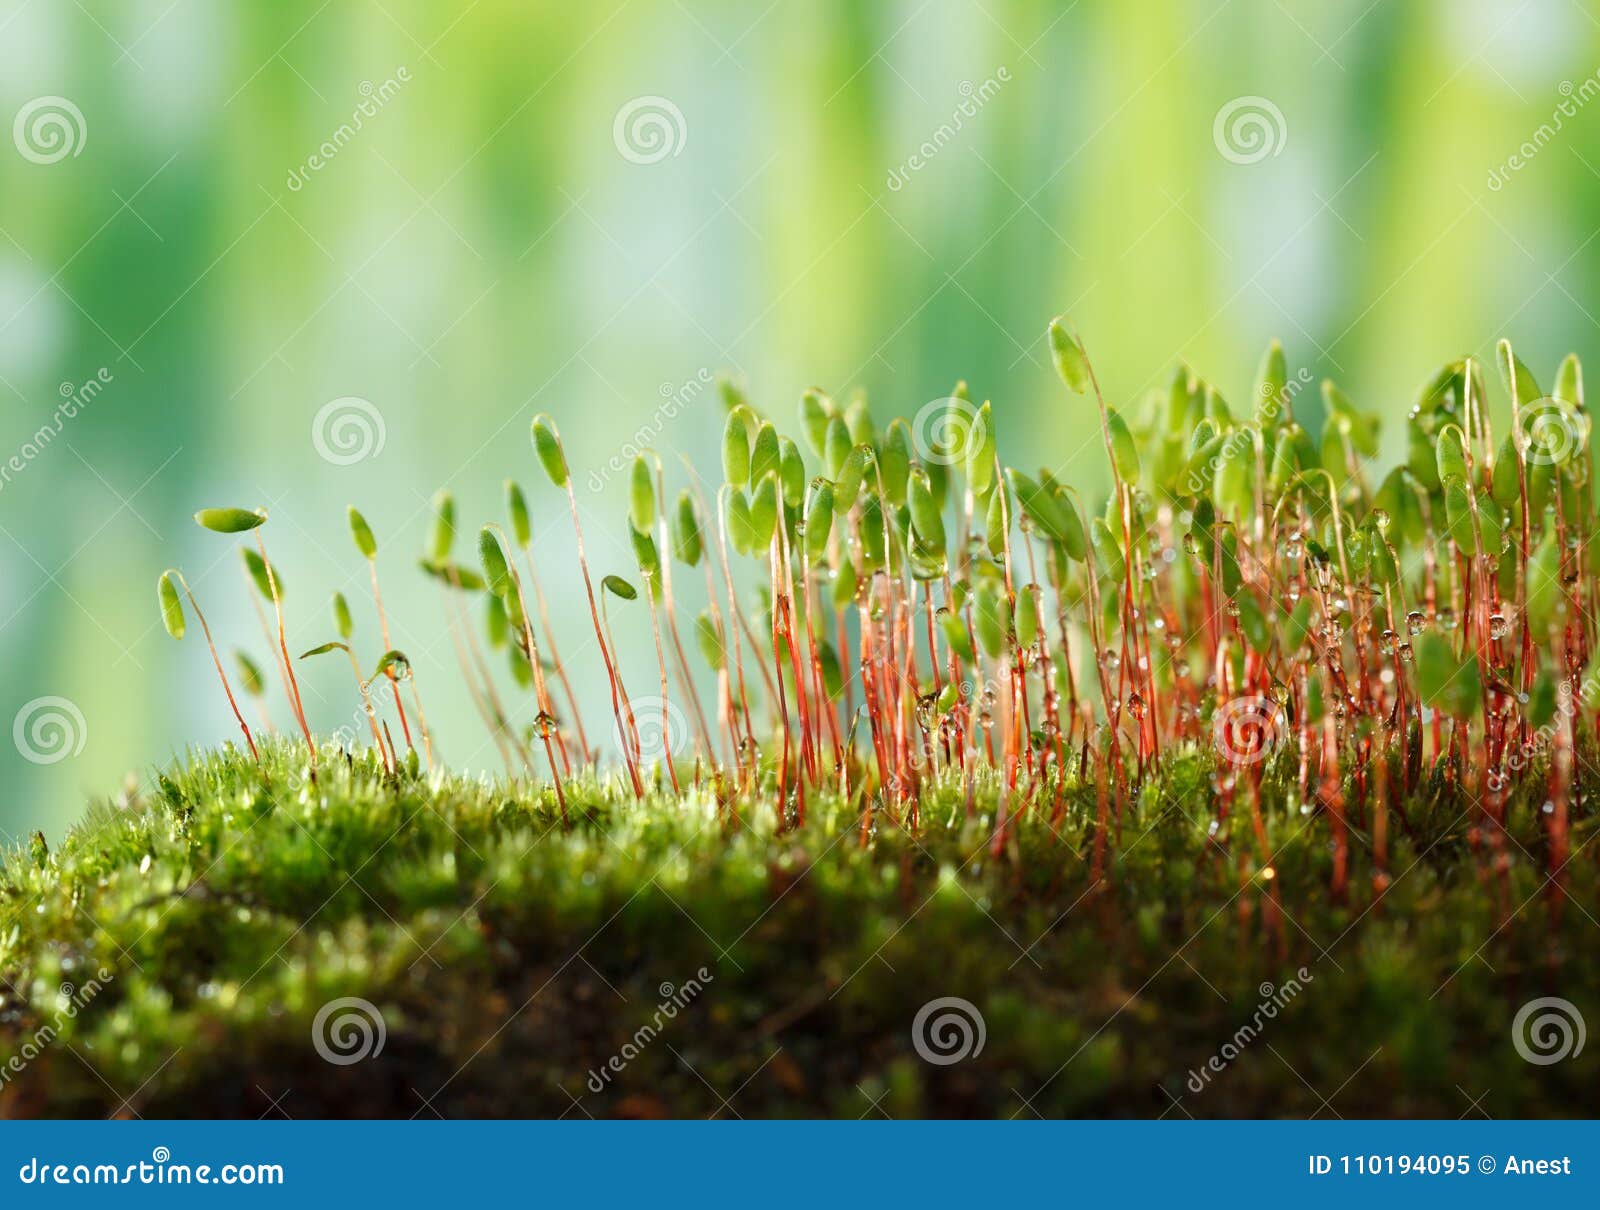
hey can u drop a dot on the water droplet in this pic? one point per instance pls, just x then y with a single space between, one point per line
1498 626
1380 518
1447 619
1415 622
545 724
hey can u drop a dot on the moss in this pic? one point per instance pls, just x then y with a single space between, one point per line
510 958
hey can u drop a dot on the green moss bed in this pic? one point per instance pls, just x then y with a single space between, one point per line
682 957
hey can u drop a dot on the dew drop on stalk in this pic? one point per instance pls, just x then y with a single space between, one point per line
1406 653
1136 706
1415 622
1111 659
1386 642
1233 608
545 724
1498 626
1380 518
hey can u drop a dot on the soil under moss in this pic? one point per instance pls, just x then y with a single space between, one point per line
682 957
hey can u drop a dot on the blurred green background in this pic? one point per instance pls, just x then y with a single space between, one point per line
886 195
